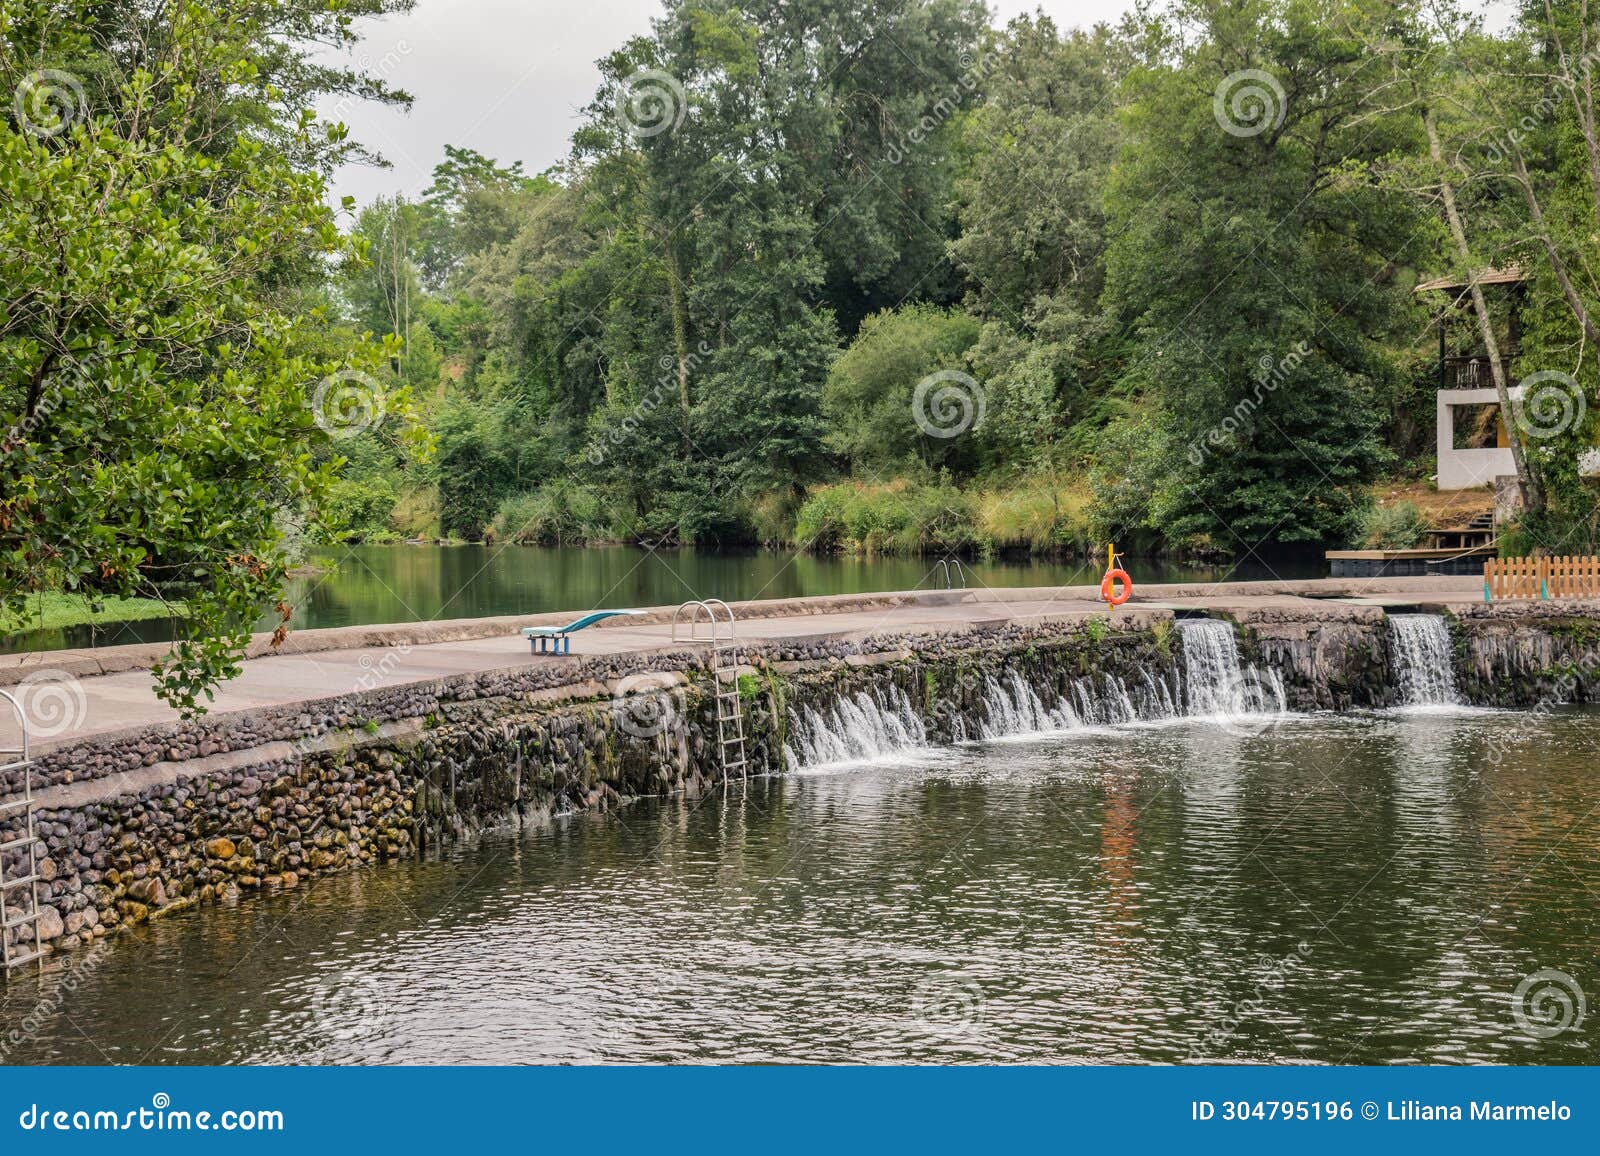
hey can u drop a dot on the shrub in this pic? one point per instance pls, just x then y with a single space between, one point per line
362 506
772 516
416 513
1396 527
868 400
1038 515
900 517
552 515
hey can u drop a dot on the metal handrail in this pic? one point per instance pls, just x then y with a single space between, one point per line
708 605
22 721
13 953
1473 370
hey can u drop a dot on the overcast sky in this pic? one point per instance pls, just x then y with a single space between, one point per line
508 77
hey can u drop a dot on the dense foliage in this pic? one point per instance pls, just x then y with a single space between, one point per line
839 274
1161 272
162 244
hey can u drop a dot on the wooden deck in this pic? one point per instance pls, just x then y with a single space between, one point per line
1409 563
1451 549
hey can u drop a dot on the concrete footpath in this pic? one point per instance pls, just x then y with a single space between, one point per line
110 688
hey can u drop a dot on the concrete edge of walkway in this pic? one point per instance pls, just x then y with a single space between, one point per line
1326 601
104 790
582 685
84 663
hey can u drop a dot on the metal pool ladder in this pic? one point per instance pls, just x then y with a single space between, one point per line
718 617
12 760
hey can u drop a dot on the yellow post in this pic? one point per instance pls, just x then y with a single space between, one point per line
1111 556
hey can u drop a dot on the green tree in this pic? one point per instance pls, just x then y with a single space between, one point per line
472 205
1255 258
474 476
1032 222
870 401
163 393
774 169
1513 171
1033 237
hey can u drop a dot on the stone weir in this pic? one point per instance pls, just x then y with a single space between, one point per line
147 822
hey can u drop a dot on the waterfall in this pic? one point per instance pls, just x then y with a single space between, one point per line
1423 660
863 726
1215 682
1015 708
1210 664
1210 682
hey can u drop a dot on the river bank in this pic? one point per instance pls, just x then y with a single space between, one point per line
1310 892
376 585
432 739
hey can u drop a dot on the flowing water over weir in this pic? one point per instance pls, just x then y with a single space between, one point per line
1423 660
1211 663
1155 894
864 726
1066 842
1217 683
1210 682
1012 707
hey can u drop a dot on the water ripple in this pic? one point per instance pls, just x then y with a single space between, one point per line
1361 889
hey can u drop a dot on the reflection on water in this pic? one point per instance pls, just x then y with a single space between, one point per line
370 584
1364 889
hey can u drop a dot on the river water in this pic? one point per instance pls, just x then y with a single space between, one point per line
362 585
1368 888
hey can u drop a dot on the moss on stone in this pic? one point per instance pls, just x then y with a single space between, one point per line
1583 632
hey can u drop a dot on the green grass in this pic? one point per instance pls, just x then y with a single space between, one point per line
905 516
898 517
1042 515
53 611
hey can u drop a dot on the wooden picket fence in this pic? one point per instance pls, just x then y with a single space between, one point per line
1556 577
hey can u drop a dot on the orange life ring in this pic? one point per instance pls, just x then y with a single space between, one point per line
1114 597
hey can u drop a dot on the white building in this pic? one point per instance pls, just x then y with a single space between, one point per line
1472 445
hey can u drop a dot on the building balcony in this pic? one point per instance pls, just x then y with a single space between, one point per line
1472 371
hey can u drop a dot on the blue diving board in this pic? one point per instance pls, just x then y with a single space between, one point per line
540 638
